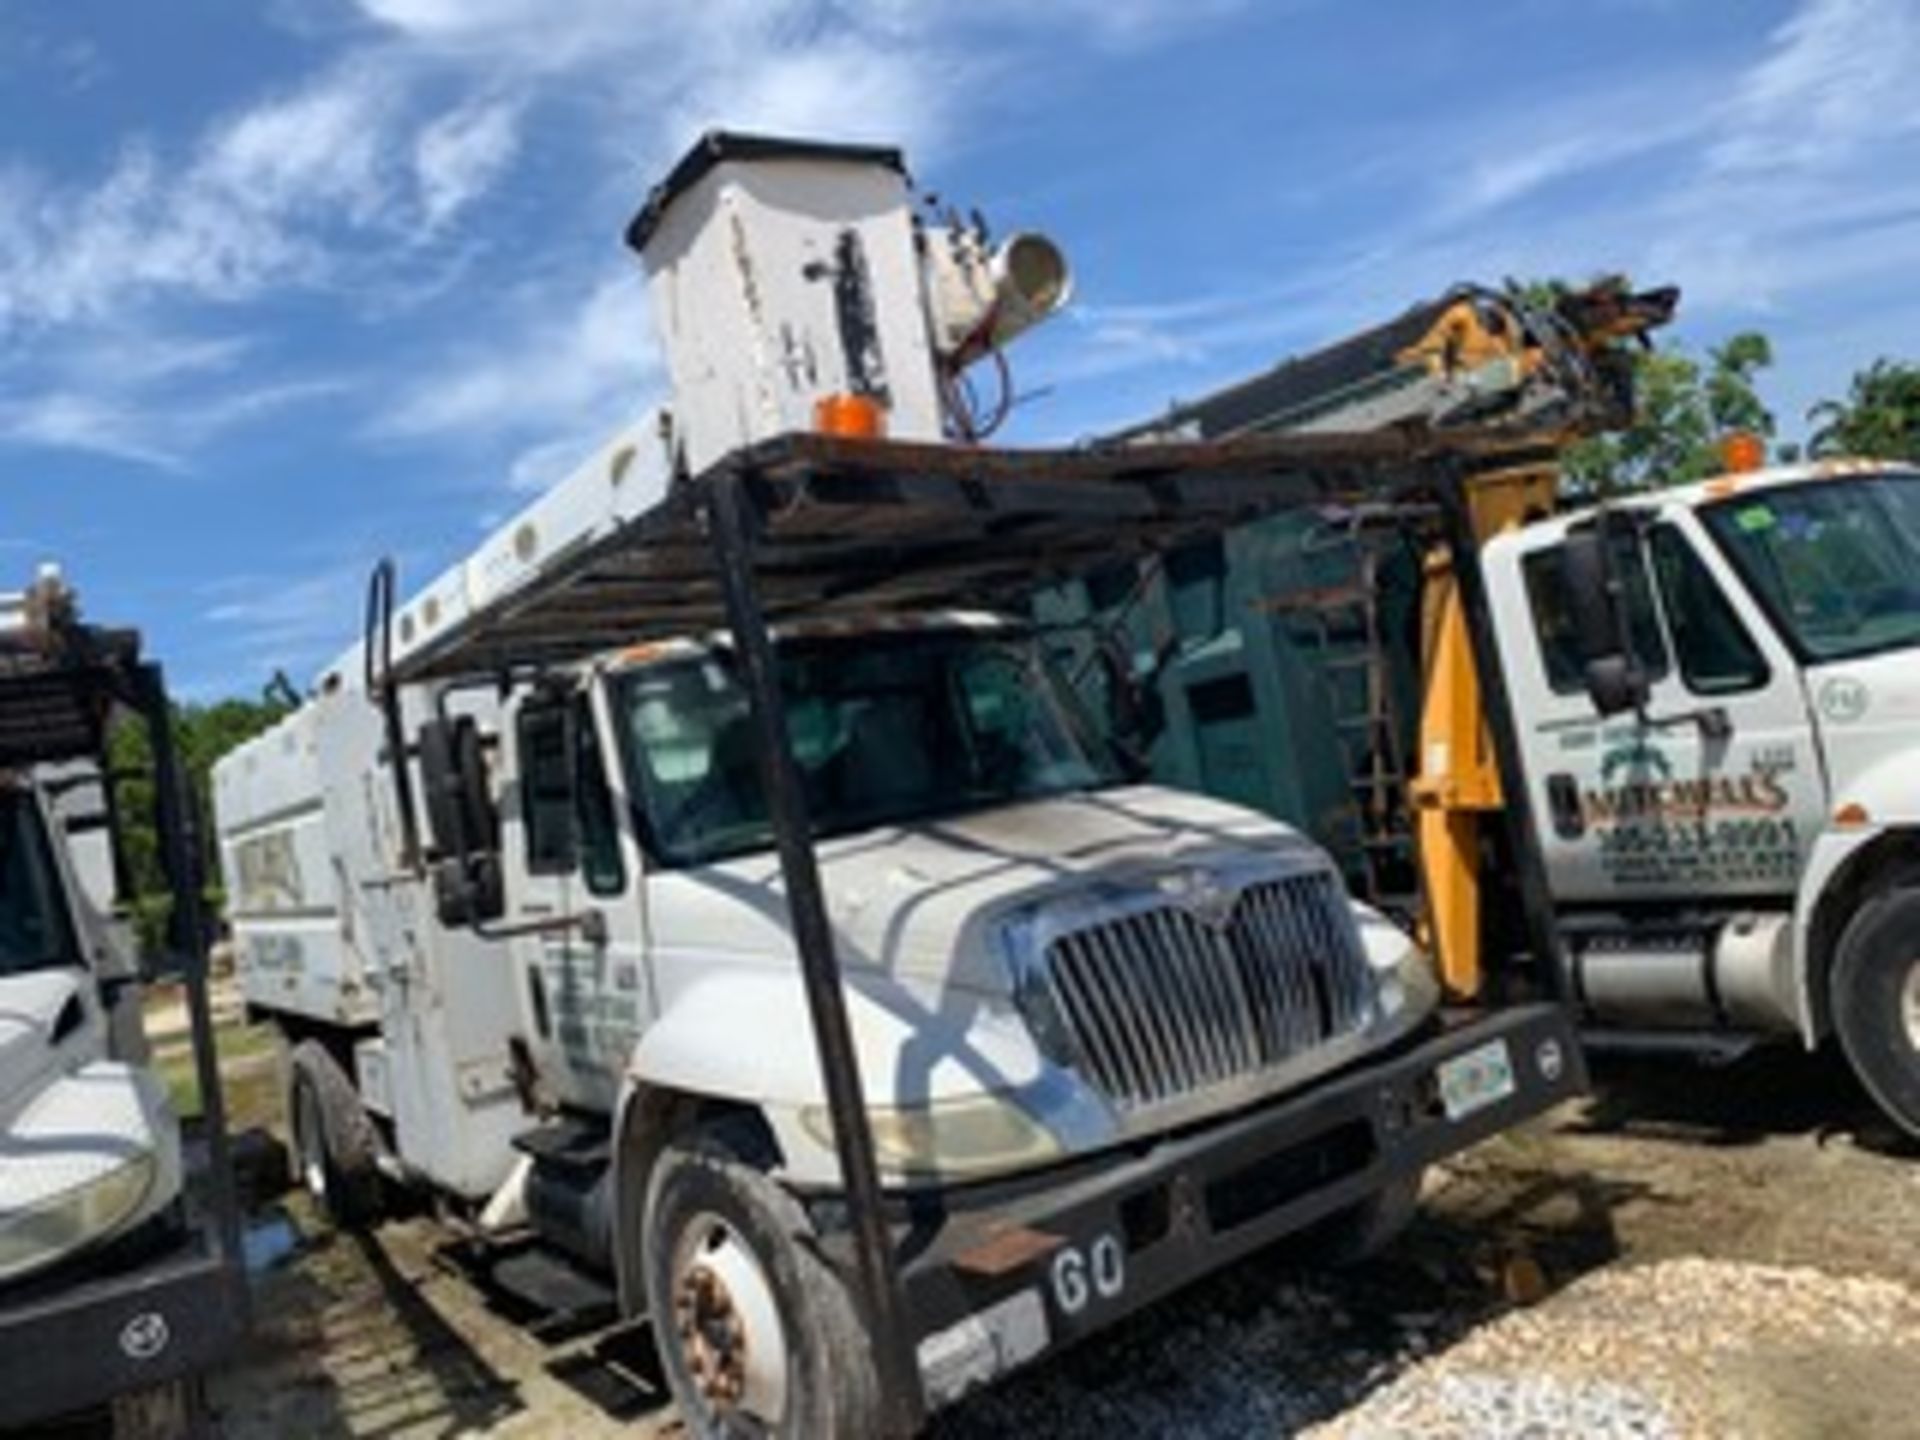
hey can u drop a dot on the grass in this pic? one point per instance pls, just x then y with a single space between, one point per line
249 1075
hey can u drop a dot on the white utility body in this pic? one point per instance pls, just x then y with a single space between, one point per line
1738 853
1077 1006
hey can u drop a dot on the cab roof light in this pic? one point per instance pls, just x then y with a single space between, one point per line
1742 452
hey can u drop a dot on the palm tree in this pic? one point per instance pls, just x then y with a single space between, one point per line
1879 418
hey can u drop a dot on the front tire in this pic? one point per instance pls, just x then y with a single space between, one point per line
1875 996
758 1335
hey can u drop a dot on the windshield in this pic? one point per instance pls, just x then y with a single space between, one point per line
886 729
1837 562
33 930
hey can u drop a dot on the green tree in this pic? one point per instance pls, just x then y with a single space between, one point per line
1683 409
1879 418
202 734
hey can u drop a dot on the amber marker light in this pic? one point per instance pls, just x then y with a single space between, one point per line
1742 452
851 417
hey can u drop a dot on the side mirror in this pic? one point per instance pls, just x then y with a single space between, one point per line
463 822
1616 680
1616 684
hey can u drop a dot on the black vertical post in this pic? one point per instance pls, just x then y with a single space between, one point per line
733 523
180 855
1496 703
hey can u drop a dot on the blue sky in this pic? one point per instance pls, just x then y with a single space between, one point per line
288 285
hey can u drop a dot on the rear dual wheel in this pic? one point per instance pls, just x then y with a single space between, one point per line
335 1145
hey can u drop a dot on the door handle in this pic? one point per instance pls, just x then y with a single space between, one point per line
1563 805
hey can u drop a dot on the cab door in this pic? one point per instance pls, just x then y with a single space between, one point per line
1714 790
573 908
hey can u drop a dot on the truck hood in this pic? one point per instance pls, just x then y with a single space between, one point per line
1867 712
917 901
32 1010
92 1155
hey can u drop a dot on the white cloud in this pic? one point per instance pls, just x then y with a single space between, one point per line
1839 79
161 432
295 623
289 191
460 155
219 227
62 420
148 397
572 362
347 180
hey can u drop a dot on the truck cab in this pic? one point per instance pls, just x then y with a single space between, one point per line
89 1149
119 1280
1001 891
1722 779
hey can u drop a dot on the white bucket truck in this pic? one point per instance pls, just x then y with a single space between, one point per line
697 881
116 1288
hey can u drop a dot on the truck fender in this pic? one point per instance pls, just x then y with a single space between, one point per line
738 1040
1844 867
743 1032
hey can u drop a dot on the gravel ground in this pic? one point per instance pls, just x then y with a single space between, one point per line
1691 1252
1679 1348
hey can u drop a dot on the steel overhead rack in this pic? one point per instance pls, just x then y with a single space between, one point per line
813 526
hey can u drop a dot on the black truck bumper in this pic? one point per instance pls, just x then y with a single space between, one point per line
78 1340
1001 1276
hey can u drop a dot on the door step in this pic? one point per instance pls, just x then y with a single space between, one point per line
540 1289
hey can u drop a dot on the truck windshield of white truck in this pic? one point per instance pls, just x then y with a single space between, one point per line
1837 562
886 729
33 930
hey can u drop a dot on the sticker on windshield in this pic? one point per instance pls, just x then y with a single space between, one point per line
1754 518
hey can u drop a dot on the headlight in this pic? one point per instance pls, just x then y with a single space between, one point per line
39 1234
1410 984
1401 968
952 1139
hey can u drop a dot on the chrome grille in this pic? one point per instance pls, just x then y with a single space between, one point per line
1158 1002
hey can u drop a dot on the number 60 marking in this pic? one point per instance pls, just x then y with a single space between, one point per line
1101 1269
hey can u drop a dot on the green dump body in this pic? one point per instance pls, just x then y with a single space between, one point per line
1264 688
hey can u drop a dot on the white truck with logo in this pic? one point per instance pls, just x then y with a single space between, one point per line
114 1289
1718 688
826 991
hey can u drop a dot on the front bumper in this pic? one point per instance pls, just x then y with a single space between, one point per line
996 1276
107 1326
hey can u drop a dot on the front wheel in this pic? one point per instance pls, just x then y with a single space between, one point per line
757 1334
1876 1001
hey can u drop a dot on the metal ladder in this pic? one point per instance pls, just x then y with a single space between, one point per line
1342 623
